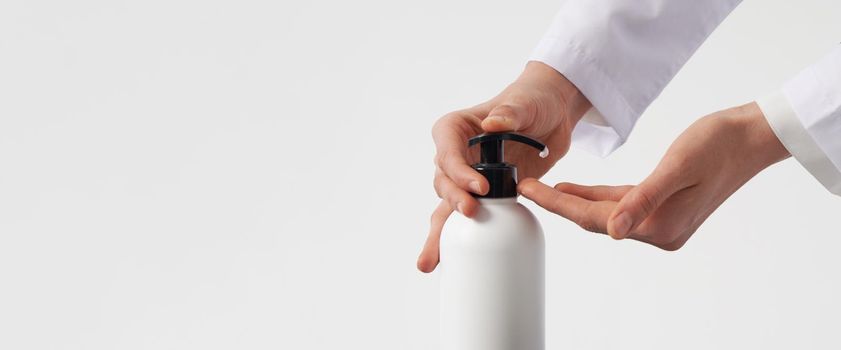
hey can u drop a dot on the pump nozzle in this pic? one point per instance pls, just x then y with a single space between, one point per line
501 176
491 147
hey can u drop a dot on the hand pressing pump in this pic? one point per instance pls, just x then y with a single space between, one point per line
492 267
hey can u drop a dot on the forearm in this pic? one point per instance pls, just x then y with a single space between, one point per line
622 53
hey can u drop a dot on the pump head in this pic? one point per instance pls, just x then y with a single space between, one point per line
502 177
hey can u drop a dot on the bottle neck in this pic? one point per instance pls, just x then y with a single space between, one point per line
502 179
498 201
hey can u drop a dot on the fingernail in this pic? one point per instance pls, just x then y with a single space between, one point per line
475 187
621 224
498 119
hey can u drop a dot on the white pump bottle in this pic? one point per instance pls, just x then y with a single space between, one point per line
492 265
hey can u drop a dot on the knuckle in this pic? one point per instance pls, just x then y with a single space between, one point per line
645 201
441 123
447 119
443 158
450 121
505 109
520 107
437 185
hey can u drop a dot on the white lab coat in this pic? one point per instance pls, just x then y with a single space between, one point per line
622 53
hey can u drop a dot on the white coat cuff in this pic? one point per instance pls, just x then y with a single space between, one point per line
605 127
794 137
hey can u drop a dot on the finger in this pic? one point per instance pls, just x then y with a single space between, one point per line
594 193
455 167
429 256
450 134
455 196
590 215
642 201
511 116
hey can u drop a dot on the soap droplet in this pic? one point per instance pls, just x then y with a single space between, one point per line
544 153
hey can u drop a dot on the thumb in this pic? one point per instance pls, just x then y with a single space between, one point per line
640 203
508 117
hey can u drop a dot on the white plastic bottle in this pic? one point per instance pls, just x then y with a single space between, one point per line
492 265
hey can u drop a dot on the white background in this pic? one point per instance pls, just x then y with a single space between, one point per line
257 175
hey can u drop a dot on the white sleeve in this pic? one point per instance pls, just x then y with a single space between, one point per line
621 54
806 117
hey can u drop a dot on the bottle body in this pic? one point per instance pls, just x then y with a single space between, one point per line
492 279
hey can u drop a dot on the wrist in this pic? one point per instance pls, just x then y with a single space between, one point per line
760 141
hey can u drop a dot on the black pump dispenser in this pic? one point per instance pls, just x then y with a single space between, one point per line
501 176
